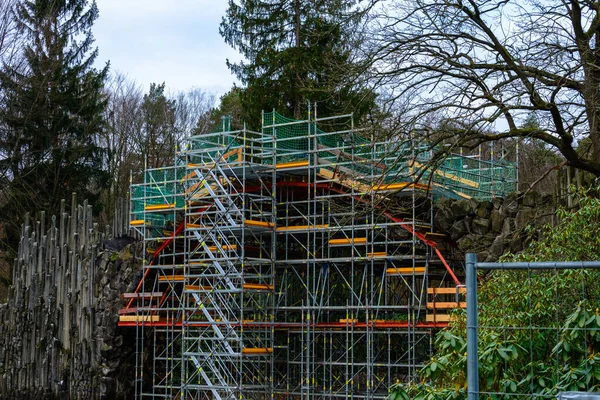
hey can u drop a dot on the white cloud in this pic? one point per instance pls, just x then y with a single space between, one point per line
175 41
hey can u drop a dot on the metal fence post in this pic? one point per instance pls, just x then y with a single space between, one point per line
472 361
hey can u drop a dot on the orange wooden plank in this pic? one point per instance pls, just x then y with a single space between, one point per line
446 290
159 207
257 286
359 240
263 224
294 164
405 271
438 318
171 278
257 350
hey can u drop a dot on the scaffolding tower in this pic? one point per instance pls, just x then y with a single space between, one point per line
295 262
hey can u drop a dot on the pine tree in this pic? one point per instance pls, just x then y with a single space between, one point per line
296 51
52 112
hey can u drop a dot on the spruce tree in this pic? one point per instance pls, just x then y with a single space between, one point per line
295 51
52 112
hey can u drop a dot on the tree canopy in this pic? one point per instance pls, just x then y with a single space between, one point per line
488 65
295 51
52 112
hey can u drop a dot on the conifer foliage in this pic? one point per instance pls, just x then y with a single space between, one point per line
295 50
52 110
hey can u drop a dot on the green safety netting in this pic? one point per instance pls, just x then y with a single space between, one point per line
286 140
389 162
161 187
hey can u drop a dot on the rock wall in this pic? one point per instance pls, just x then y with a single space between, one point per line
491 228
59 337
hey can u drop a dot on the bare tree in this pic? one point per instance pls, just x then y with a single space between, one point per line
9 37
149 126
192 112
488 65
123 115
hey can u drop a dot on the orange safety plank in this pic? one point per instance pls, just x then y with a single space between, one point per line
257 286
444 290
141 295
171 278
257 350
193 226
348 321
377 254
438 318
405 271
300 227
189 176
225 247
139 318
159 207
137 222
294 164
401 186
446 305
359 240
192 288
262 224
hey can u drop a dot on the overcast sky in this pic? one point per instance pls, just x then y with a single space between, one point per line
175 41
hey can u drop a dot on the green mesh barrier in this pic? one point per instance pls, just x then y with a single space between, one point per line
347 153
163 187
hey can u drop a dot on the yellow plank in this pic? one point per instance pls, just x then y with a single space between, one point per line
189 176
262 224
438 318
450 290
139 318
192 288
349 183
257 350
359 240
257 286
171 278
450 176
405 271
446 305
300 227
348 321
227 247
159 207
401 186
193 226
295 164
137 222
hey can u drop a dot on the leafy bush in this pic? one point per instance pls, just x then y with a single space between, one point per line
540 330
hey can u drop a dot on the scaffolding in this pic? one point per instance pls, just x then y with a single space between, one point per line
295 262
